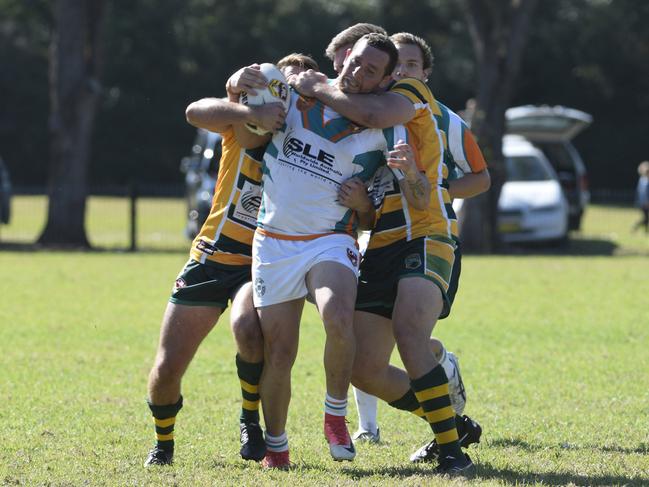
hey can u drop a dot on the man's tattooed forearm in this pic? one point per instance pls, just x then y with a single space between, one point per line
417 188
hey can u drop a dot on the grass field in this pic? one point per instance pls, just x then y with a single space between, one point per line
553 348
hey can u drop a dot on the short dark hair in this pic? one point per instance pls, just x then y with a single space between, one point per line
297 59
383 43
408 38
350 36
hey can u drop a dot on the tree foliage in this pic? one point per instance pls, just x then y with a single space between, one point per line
162 54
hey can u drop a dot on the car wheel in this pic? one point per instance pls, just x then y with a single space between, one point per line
574 221
5 208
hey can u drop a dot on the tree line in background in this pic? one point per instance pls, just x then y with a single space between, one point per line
138 64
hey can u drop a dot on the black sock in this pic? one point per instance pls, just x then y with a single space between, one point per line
409 403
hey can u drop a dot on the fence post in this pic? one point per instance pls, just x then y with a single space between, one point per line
133 190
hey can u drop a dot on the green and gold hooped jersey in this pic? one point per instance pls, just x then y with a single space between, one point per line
226 235
395 219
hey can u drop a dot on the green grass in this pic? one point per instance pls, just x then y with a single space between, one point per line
553 351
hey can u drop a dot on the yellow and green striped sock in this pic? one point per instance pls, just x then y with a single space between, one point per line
249 376
431 391
164 419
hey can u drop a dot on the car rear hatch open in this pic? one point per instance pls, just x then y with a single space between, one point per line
546 123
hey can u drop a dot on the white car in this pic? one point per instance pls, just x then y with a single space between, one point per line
552 129
532 206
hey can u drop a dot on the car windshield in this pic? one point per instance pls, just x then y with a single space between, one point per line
526 168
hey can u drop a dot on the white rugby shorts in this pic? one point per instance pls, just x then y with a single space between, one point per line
279 267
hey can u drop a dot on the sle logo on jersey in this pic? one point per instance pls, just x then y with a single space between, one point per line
293 146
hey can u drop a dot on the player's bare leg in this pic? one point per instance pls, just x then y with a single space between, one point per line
280 326
245 325
419 302
183 330
372 370
246 330
333 287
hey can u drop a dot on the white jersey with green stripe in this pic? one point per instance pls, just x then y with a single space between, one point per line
306 162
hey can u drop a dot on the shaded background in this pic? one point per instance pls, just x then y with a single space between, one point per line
159 55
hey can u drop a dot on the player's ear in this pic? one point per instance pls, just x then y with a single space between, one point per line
386 81
427 74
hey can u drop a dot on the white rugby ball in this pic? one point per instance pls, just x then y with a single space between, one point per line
276 91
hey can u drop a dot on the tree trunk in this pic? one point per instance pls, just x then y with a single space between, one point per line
498 29
74 90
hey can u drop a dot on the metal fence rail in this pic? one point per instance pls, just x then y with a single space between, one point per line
129 219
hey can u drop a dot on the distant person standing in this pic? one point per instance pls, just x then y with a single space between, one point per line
642 196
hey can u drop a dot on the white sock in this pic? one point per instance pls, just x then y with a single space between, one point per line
336 407
447 365
277 443
367 406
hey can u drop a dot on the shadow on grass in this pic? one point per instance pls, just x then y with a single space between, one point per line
642 448
396 472
573 247
507 476
512 477
356 473
485 471
515 477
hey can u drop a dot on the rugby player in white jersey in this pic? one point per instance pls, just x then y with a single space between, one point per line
305 242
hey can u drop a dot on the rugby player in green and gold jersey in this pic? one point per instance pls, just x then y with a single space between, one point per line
420 246
219 269
461 155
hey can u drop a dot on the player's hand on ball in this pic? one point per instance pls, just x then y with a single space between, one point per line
247 79
403 157
353 194
307 82
270 116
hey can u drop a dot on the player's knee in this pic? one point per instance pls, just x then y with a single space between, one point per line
406 334
280 353
338 322
280 358
365 373
168 369
247 332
